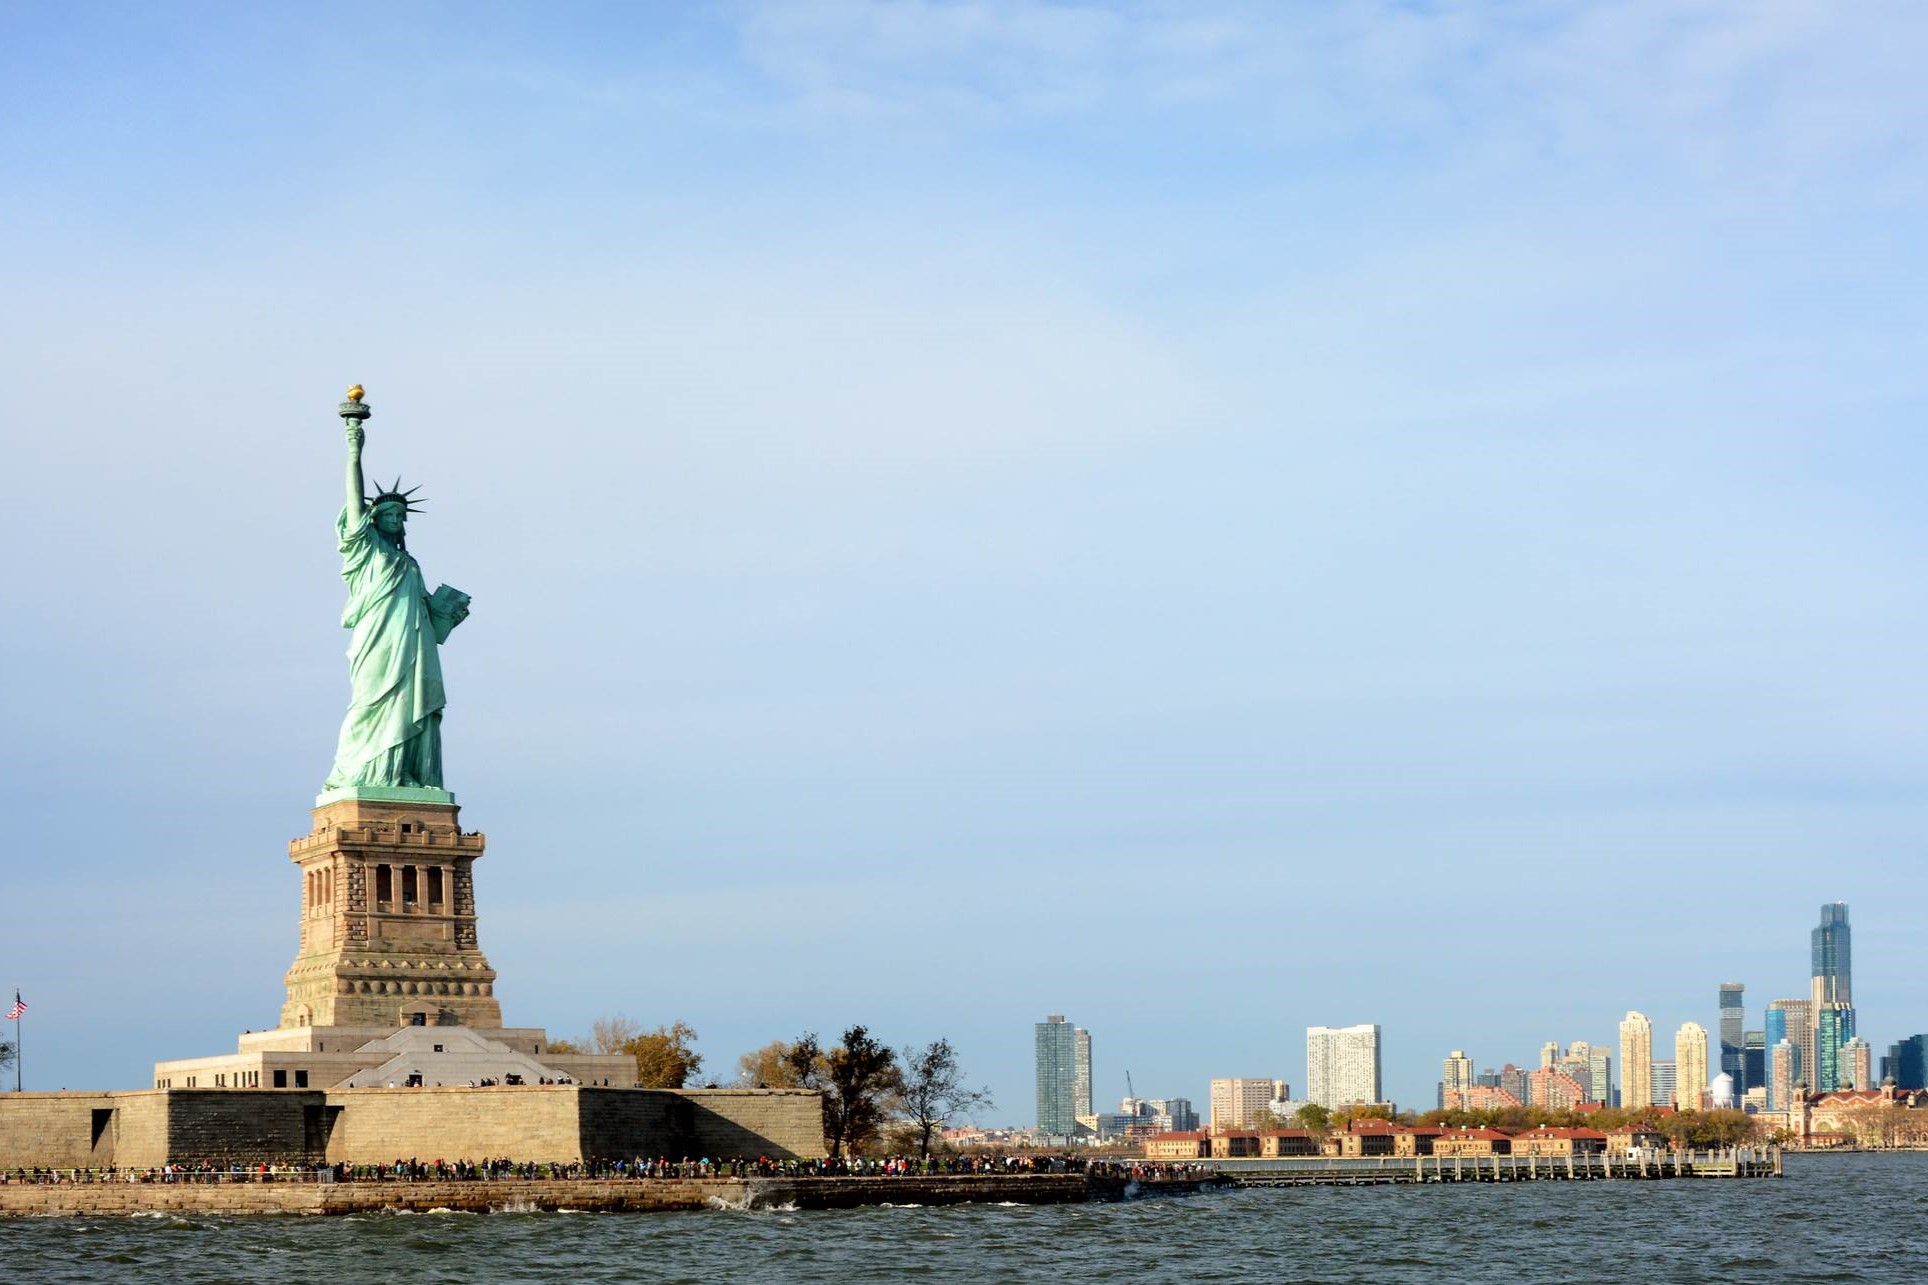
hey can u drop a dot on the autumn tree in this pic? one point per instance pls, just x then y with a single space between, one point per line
932 1090
666 1057
768 1068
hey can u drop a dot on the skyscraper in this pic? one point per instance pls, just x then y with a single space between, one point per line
1733 1034
1081 1072
1342 1065
1662 1080
1831 991
1455 1075
1057 1064
1783 1073
1833 956
1690 1066
1907 1063
1857 1064
1792 1019
1636 1061
1549 1053
1833 1028
1753 1060
1600 1076
1237 1102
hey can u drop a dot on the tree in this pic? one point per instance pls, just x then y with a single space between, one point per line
932 1090
858 1075
8 1052
1313 1116
767 1068
665 1057
612 1034
854 1078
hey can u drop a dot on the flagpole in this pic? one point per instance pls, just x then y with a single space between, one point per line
19 1024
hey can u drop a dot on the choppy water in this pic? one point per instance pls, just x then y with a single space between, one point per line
1833 1218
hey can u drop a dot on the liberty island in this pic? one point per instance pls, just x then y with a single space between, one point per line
391 1039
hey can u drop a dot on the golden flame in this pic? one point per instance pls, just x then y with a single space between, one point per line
355 393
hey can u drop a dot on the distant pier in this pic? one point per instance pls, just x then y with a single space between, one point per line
1332 1171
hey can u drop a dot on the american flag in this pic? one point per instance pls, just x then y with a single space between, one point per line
19 1007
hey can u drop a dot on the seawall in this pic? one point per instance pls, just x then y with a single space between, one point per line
511 1195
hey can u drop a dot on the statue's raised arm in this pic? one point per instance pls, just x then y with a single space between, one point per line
356 436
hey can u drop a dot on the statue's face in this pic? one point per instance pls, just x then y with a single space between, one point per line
390 518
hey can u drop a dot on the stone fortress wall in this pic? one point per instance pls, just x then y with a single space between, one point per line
147 1128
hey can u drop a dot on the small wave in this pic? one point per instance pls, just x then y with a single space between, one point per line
515 1207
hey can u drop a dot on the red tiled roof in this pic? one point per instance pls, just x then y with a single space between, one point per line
1489 1135
1177 1137
1286 1133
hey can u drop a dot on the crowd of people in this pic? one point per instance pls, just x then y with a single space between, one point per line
639 1167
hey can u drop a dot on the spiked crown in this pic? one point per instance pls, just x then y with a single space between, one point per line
395 494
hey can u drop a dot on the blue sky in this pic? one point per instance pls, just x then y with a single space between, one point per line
1206 518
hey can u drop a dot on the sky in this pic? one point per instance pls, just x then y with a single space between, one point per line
1207 518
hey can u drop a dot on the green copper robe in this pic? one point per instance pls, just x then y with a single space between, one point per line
393 732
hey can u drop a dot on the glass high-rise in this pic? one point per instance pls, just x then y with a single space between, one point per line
1907 1063
1753 1060
1832 996
1793 1020
1833 1028
1733 1025
1662 1079
1057 1066
1833 957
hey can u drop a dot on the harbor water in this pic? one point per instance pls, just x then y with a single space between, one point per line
1835 1218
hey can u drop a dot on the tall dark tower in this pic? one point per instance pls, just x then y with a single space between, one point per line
1832 1012
1833 957
1733 1025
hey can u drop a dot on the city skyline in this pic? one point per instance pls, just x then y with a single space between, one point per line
969 459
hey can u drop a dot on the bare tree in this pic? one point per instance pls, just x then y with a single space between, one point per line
932 1091
666 1057
612 1034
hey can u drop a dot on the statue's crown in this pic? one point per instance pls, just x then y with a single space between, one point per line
396 494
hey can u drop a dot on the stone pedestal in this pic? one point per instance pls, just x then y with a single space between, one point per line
388 916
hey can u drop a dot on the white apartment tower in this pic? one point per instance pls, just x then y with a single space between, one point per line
1342 1065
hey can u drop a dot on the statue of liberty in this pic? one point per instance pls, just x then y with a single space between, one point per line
392 735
